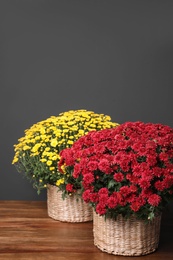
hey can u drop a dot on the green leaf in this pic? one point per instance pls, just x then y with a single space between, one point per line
111 184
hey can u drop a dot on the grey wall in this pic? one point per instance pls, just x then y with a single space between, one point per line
109 56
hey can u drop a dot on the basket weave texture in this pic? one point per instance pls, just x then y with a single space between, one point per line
130 237
70 209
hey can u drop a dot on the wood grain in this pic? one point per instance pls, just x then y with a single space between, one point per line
26 232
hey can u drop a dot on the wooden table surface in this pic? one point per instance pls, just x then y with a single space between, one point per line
27 233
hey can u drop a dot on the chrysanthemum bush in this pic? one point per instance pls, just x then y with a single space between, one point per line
125 170
37 152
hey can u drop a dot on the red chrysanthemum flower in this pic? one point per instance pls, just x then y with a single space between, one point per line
154 200
69 187
125 170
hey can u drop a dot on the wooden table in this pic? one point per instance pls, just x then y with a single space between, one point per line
27 233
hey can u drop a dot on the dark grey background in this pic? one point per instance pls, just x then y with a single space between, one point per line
112 57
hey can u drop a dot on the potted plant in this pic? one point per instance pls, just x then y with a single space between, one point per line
127 177
38 151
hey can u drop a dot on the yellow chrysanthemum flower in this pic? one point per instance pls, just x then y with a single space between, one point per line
26 147
38 151
54 142
59 182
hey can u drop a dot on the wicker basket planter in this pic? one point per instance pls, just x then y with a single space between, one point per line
70 209
129 237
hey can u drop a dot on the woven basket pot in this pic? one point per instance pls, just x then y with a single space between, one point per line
129 237
70 209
